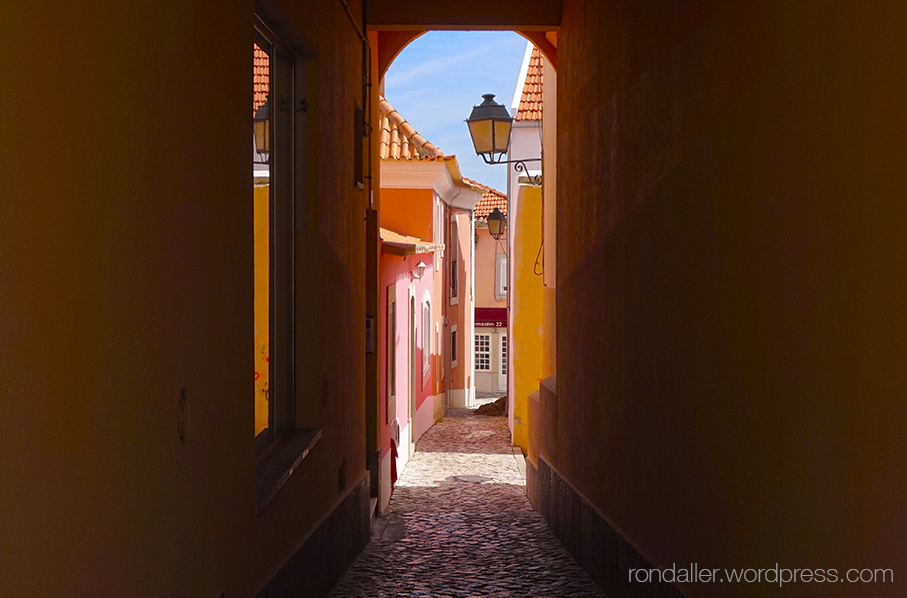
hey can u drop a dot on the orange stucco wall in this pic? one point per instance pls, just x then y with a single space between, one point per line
461 312
408 212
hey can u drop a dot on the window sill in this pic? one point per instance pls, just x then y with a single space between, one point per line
274 471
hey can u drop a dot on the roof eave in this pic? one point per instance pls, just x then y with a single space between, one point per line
454 191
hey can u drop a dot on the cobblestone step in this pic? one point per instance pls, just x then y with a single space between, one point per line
460 525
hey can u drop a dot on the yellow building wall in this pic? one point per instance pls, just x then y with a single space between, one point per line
261 225
528 332
549 216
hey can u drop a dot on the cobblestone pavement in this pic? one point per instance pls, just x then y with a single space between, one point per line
459 525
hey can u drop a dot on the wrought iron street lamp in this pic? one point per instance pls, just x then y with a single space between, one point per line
490 126
496 223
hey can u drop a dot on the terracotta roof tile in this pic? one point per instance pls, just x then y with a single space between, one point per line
398 140
531 100
260 79
491 199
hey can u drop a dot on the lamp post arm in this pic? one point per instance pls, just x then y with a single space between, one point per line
493 161
519 166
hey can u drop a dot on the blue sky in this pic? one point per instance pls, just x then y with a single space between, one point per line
437 79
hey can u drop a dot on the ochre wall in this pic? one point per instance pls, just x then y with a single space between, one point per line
549 217
408 212
730 283
126 261
261 303
528 332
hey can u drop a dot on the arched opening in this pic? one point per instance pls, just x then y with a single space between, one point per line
493 337
391 43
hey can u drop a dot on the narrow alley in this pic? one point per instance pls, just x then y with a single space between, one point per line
249 249
459 524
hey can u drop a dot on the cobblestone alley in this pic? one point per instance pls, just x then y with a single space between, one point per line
460 524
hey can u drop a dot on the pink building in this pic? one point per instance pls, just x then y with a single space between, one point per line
425 332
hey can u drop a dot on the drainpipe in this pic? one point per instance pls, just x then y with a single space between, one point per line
445 301
471 344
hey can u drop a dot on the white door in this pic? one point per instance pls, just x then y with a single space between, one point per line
502 364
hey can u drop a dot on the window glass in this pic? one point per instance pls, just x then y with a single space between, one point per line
453 346
261 224
273 269
454 255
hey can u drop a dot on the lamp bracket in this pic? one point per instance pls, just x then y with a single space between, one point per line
519 166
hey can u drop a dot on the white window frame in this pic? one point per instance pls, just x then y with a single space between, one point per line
483 352
503 349
500 276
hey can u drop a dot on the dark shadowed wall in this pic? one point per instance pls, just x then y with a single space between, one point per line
731 259
126 276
